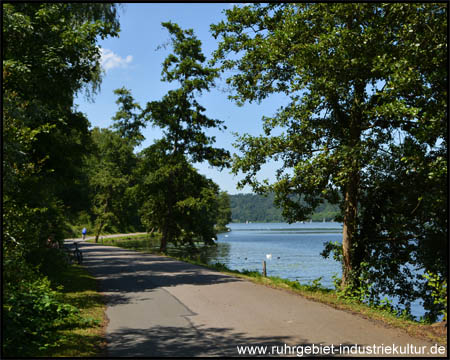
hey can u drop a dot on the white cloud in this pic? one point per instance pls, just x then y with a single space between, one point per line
109 60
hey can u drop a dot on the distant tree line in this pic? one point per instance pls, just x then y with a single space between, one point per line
259 208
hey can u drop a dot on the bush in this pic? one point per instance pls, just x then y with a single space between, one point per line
32 310
438 288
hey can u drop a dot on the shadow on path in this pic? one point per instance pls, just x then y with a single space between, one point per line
128 271
169 341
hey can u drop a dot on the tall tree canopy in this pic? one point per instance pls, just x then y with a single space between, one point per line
50 53
365 126
128 120
179 114
184 125
224 216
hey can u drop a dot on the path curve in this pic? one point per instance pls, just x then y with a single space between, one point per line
158 306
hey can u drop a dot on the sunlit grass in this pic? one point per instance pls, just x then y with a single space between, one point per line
150 243
83 339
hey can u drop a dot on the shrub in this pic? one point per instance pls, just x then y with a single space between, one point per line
32 310
438 288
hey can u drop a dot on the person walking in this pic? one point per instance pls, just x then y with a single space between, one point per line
84 231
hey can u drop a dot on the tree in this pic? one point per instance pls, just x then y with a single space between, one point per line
109 169
110 174
360 86
224 216
185 208
50 53
128 120
183 120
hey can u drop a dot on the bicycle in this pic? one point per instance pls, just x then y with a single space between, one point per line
75 255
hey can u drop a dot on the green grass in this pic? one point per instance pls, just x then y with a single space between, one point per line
86 338
150 243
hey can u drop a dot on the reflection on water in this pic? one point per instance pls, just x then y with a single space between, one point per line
211 254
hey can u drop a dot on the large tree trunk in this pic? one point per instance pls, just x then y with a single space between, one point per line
164 239
167 231
355 120
99 230
349 228
352 186
102 221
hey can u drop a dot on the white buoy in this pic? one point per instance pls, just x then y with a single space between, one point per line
269 256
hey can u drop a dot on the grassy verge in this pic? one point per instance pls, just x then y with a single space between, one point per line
313 292
85 339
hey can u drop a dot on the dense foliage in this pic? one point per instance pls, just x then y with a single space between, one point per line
32 309
259 208
224 215
50 53
185 207
110 172
367 118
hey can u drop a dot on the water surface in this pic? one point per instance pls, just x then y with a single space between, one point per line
291 251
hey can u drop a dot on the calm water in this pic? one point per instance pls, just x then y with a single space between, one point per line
294 248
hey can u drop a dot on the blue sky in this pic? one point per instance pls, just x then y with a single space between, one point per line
131 60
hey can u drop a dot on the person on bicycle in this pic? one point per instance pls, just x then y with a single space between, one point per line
84 231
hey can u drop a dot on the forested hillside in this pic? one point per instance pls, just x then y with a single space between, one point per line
258 208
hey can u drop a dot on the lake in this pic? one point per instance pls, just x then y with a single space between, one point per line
293 249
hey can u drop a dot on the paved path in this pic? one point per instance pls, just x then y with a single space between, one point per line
158 306
104 236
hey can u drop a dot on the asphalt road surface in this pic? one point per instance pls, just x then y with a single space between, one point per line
158 306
